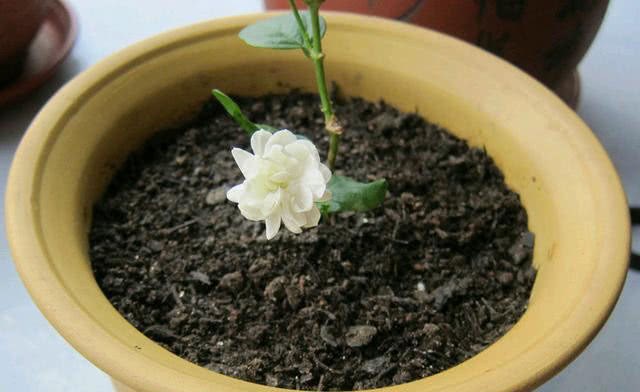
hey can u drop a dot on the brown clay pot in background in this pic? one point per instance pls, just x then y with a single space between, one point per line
546 38
19 23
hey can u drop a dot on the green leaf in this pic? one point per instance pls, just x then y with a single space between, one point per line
280 32
234 111
350 195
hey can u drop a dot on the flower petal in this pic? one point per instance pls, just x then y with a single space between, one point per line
326 172
245 161
281 176
303 150
258 141
273 225
293 221
271 202
312 217
235 194
275 154
314 180
313 151
282 138
250 212
302 198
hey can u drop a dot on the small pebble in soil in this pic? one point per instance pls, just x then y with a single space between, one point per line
360 335
216 196
405 291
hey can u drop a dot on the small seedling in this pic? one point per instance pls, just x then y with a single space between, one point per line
285 181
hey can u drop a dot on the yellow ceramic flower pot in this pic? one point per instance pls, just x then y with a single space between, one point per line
568 185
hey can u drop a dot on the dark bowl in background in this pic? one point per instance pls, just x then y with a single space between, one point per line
19 23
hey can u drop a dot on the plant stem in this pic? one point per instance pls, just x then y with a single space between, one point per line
318 61
331 124
334 142
301 26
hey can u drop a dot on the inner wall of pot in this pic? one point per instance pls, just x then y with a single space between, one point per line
167 86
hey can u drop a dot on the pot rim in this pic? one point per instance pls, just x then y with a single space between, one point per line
140 371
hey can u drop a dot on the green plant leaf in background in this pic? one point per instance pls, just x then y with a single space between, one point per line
234 111
350 195
280 32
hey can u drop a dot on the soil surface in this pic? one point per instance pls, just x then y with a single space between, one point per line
435 275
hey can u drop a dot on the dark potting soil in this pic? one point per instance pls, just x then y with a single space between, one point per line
435 275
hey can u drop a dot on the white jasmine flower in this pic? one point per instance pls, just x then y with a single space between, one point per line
284 179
